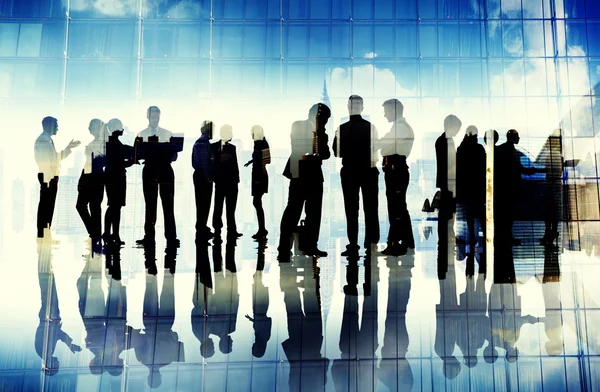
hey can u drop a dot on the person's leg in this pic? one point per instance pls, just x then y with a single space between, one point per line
217 218
314 204
150 189
52 191
83 199
260 213
230 205
108 219
291 215
405 228
96 198
350 191
42 211
370 193
392 189
167 198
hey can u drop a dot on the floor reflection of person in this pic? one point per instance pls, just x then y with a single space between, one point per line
308 367
49 331
202 298
260 306
158 345
358 341
397 376
553 324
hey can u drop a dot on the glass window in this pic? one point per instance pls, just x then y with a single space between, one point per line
232 9
295 78
109 79
384 9
549 40
428 9
494 41
362 40
470 9
169 9
363 74
319 40
227 40
428 42
295 40
429 78
512 39
158 40
470 39
253 78
533 9
384 81
406 39
295 9
9 35
576 38
255 38
448 39
30 39
121 38
575 9
511 9
561 41
496 72
406 9
449 78
340 35
384 39
169 79
362 9
592 9
406 78
513 78
493 9
579 82
535 76
448 9
31 9
533 36
193 40
470 78
320 9
595 75
593 32
53 39
340 9
581 116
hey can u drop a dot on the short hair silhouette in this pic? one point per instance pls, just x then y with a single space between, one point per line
355 98
258 132
398 106
96 123
496 136
206 127
152 109
471 130
319 109
226 132
48 123
114 124
452 123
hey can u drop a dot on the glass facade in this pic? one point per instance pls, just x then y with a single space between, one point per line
530 65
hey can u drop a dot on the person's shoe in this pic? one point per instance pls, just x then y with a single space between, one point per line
260 234
234 234
116 240
316 252
390 250
40 233
410 244
145 241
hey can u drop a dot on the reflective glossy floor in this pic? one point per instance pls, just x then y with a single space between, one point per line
229 317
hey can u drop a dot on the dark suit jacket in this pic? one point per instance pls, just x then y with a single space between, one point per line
227 170
354 144
441 160
300 165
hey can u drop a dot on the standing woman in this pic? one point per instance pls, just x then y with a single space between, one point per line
118 157
261 157
91 182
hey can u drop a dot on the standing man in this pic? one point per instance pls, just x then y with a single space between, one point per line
303 169
355 144
226 178
396 146
203 164
48 161
153 145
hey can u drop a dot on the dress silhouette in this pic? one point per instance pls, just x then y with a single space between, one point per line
261 157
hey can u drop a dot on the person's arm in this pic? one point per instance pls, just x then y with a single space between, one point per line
67 151
236 167
335 146
324 151
195 164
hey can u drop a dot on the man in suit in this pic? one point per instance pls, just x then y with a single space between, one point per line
153 146
355 142
48 161
303 169
226 179
396 146
203 162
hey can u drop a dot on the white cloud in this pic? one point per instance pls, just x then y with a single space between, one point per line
371 55
106 7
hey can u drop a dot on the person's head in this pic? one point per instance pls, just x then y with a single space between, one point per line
393 109
207 128
471 131
257 133
226 133
96 127
153 116
452 125
116 370
451 368
512 136
355 104
491 134
259 348
50 125
319 113
115 125
207 348
96 365
226 344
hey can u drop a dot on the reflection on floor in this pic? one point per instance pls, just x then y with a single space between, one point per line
228 316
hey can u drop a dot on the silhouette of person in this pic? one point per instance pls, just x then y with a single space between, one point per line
308 367
358 341
261 157
49 330
91 182
471 180
48 161
119 156
355 142
507 182
159 346
203 162
260 306
397 375
153 145
226 178
396 146
551 158
303 169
